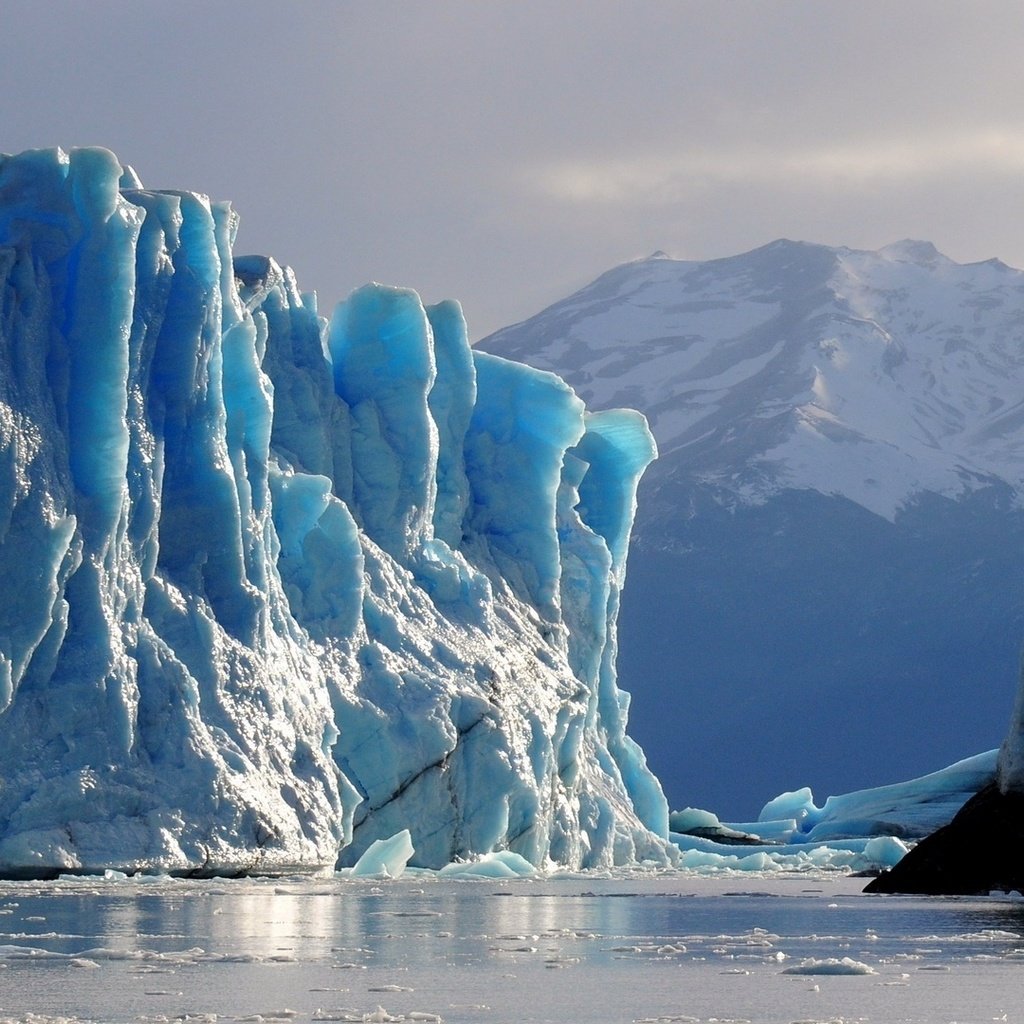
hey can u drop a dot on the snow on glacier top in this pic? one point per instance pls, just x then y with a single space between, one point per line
872 375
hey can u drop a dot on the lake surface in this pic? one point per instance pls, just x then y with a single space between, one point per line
666 947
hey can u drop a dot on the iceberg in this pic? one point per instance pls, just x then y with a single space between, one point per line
277 588
908 810
866 830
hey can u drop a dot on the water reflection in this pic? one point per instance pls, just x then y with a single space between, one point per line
587 950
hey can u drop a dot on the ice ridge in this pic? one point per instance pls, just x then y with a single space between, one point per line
276 588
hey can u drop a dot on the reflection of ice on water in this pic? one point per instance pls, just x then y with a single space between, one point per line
661 948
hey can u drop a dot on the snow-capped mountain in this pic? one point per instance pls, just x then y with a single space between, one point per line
827 582
272 589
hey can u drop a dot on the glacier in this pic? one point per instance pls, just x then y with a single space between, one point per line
276 589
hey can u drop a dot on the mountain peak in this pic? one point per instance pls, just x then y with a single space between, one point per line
911 250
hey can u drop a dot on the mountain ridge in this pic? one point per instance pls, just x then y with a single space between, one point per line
807 328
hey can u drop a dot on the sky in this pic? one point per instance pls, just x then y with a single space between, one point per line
507 153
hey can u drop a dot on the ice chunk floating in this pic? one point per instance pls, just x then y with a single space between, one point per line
273 589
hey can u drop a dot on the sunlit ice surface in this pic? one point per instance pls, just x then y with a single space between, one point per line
654 947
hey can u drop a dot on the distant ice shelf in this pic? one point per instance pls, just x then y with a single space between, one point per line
273 589
867 830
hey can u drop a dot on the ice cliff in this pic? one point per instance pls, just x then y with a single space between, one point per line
274 588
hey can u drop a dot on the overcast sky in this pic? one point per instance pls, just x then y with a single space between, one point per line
507 153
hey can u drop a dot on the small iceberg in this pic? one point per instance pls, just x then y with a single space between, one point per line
385 857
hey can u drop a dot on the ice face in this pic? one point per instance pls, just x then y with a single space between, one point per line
382 352
523 423
451 402
1010 763
275 588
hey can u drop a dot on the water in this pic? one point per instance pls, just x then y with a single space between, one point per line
666 947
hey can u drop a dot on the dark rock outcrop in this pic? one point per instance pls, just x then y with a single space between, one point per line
980 851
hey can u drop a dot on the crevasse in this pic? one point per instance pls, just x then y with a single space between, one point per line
274 588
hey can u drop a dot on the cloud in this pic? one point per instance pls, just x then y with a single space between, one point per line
656 178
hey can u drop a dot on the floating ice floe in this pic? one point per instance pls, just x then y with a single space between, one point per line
830 965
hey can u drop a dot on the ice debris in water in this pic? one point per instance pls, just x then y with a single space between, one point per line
380 1015
275 588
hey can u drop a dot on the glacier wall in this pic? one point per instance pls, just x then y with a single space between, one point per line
274 588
